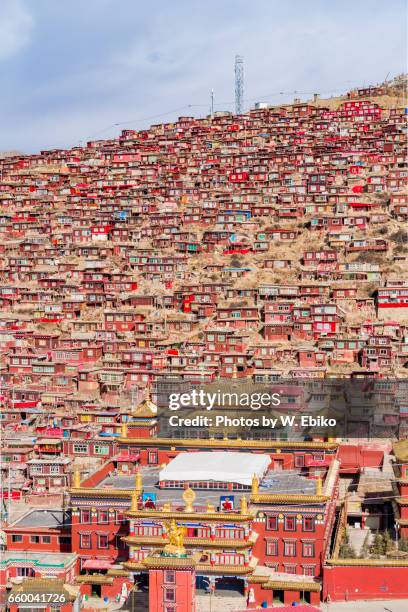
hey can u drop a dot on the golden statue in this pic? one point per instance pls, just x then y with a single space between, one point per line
255 485
175 534
244 505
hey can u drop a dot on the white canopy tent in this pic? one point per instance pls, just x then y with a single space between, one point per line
216 466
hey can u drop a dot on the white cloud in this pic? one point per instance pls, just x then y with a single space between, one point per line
16 24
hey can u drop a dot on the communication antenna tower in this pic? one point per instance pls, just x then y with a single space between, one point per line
239 84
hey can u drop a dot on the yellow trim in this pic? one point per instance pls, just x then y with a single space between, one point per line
94 579
289 585
289 499
205 542
369 562
192 516
102 492
266 444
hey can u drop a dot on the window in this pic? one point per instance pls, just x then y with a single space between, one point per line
85 540
307 549
101 450
103 541
152 458
65 541
308 523
85 516
299 461
119 518
290 523
290 568
16 538
80 448
271 523
103 516
54 469
272 548
25 571
35 539
46 539
169 594
309 570
170 577
289 548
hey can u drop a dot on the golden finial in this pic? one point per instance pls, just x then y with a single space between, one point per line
255 485
166 507
319 488
189 497
139 483
134 502
244 505
76 480
210 508
124 430
175 534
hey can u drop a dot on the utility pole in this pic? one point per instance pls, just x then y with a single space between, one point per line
212 104
239 84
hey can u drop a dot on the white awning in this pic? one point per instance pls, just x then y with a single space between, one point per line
216 466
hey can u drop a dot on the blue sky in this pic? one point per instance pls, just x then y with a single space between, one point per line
69 70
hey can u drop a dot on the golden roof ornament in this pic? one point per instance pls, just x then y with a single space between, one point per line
146 409
255 485
138 483
76 480
244 505
166 507
134 502
189 497
210 507
175 534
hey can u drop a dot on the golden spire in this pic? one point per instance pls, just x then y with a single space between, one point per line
255 485
244 505
210 508
124 430
319 488
76 480
138 483
134 502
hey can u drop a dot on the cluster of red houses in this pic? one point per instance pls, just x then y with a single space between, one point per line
261 246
